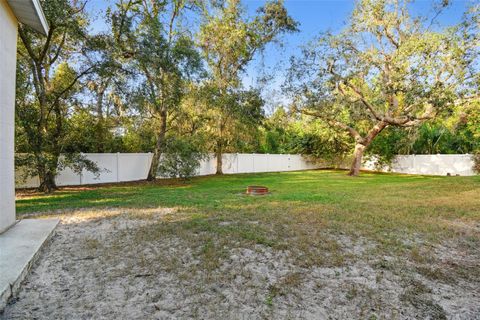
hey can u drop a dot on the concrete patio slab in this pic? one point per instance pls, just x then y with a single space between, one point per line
19 247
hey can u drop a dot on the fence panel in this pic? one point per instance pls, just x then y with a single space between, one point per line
133 166
297 162
260 162
245 163
208 166
67 177
25 182
118 167
229 163
107 162
429 164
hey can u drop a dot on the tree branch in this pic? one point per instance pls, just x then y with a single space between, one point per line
354 133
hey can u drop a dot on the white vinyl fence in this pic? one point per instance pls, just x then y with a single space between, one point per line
121 167
430 164
254 162
115 167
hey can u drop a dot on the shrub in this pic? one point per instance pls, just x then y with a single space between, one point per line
181 158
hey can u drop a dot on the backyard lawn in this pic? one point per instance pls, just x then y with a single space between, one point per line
321 245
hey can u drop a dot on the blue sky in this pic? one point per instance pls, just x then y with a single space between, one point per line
314 16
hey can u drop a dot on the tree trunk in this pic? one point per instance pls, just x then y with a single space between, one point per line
218 154
100 136
159 146
47 179
357 160
152 173
100 122
362 144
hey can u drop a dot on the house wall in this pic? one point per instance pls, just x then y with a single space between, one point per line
8 51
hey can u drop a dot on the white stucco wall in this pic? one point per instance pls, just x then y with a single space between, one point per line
8 51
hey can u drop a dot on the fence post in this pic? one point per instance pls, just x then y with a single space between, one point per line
253 162
118 167
413 165
81 170
237 162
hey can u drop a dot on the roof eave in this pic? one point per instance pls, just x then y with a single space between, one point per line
30 13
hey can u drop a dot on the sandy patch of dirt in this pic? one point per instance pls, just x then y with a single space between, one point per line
109 265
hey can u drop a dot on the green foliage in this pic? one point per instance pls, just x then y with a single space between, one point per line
389 143
469 117
387 68
433 138
181 158
229 40
49 71
315 138
456 133
159 52
149 82
275 134
85 134
282 132
139 136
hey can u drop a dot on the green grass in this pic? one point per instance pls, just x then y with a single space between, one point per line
318 217
368 204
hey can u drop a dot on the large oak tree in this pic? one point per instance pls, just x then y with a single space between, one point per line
386 68
158 50
49 71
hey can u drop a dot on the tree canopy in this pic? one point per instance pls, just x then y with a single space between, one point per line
386 68
168 77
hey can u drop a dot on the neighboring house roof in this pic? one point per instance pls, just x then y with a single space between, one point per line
30 13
